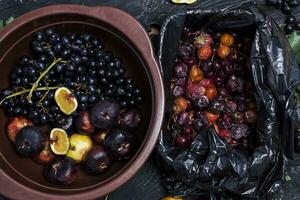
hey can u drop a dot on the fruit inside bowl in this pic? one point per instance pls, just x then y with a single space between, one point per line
129 83
68 90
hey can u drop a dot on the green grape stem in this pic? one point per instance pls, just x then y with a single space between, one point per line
26 91
35 85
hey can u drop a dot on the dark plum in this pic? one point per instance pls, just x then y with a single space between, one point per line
97 161
104 114
223 92
180 82
184 118
198 124
178 91
222 124
207 66
238 117
61 171
181 70
231 106
120 144
235 84
217 106
190 61
216 65
182 141
218 81
189 131
185 50
239 130
229 69
29 141
200 121
202 102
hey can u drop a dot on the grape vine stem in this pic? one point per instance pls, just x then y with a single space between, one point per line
26 91
36 83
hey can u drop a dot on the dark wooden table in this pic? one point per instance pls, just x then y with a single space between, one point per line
146 185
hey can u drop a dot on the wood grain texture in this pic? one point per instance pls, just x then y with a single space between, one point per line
146 185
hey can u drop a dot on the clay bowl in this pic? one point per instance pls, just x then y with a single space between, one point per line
21 178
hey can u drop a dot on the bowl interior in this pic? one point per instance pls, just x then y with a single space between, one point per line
17 44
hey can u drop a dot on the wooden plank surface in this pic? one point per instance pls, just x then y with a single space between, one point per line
146 185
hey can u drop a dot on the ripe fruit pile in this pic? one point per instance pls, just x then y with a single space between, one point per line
78 62
71 103
211 86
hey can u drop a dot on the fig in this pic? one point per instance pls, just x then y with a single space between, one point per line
130 119
83 123
14 126
46 155
29 141
59 141
79 146
97 161
60 171
99 137
120 144
104 114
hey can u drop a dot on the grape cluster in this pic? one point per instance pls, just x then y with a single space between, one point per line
292 24
211 86
286 6
87 69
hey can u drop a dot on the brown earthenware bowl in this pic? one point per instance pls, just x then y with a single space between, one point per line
21 178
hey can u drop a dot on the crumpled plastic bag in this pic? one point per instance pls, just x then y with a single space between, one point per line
210 166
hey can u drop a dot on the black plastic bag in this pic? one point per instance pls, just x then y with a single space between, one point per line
209 165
